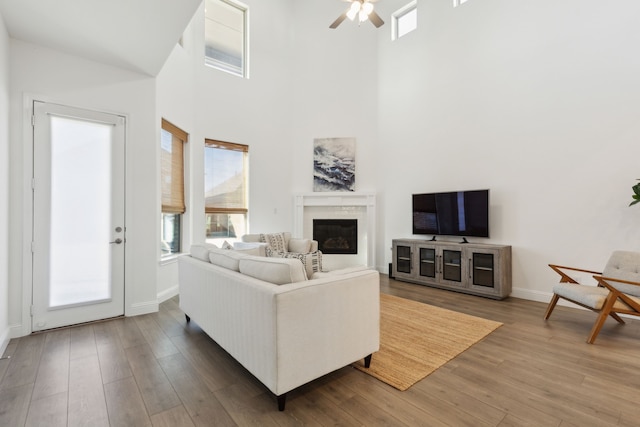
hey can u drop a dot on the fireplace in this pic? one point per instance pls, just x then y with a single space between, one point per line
336 236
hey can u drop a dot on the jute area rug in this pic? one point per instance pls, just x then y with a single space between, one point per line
416 339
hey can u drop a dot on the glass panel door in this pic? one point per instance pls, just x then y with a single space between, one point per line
80 261
78 216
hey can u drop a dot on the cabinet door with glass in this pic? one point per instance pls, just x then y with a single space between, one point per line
484 271
427 262
403 260
452 269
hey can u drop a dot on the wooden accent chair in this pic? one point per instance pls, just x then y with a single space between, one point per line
617 290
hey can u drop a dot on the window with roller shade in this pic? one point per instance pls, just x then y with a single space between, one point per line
172 140
225 190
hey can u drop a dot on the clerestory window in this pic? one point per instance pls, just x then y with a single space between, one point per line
404 20
226 36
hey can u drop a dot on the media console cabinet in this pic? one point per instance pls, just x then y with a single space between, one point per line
472 268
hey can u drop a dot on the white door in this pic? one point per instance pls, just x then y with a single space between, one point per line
78 216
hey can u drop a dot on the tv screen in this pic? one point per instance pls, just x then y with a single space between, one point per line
456 213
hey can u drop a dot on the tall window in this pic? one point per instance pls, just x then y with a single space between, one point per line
404 20
172 140
225 31
225 190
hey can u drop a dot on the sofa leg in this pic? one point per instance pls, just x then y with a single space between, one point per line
282 399
367 361
186 316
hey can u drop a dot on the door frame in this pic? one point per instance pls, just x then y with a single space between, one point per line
27 206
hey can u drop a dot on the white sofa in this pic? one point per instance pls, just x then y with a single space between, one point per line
285 329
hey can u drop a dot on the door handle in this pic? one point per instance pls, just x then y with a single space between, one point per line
117 241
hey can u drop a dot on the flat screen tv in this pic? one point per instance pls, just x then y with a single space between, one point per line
455 213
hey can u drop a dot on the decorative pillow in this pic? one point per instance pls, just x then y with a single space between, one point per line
276 241
227 245
276 271
260 247
302 246
312 261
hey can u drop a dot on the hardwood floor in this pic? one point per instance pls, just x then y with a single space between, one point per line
157 370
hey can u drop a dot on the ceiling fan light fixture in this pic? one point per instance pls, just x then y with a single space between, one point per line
353 10
363 9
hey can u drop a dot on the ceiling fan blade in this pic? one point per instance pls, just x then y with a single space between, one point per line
375 19
338 21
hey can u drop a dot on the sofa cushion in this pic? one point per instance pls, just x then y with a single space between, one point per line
340 272
312 261
302 246
227 258
273 270
201 251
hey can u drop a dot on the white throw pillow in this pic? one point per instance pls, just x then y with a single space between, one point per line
272 270
242 246
299 245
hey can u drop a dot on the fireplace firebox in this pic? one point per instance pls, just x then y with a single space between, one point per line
336 236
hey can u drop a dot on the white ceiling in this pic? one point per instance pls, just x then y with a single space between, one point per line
133 34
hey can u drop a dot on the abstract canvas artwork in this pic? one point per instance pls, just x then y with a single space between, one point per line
334 164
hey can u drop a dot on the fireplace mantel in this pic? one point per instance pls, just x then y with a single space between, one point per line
339 200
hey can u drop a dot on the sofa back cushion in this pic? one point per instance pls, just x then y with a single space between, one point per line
278 271
226 258
201 251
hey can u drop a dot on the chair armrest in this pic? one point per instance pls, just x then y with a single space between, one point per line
604 281
565 278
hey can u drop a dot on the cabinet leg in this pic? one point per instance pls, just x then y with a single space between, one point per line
186 316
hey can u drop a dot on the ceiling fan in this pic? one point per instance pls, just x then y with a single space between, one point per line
363 9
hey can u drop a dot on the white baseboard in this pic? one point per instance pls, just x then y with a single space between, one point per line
4 340
168 294
142 308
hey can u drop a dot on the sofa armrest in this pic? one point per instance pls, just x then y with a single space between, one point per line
325 324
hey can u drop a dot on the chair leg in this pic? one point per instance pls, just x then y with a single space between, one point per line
604 313
618 318
596 327
551 306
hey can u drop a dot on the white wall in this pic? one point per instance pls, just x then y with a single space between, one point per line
306 82
535 100
57 77
4 186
